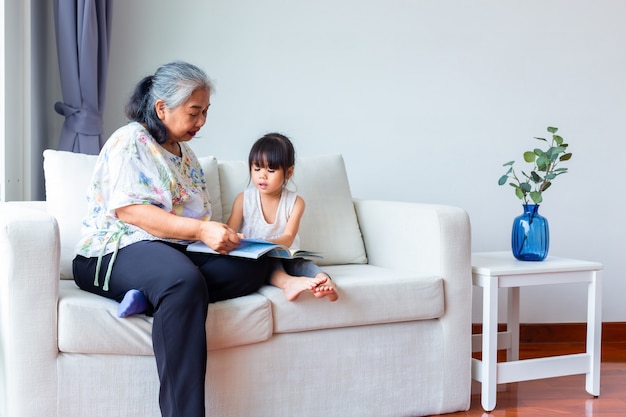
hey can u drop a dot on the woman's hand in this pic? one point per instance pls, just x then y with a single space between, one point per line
219 236
158 222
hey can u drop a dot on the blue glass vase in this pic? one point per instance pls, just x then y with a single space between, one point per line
530 239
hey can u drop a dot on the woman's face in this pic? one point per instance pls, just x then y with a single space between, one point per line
183 122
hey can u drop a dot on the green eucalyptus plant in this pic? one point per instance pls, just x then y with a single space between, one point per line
545 168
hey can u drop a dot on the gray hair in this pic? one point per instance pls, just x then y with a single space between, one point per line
173 83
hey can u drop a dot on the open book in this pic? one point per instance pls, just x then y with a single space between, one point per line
254 248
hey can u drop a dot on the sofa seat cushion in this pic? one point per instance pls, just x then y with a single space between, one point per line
367 295
88 323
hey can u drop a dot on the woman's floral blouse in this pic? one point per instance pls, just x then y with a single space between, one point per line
133 168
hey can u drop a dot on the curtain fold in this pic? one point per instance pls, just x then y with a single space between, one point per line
83 33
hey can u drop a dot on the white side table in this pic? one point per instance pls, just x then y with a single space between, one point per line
493 270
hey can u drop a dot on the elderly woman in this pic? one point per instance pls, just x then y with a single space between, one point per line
147 201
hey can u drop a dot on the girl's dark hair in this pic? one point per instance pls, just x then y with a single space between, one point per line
173 83
273 151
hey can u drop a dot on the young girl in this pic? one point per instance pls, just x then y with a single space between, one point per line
271 212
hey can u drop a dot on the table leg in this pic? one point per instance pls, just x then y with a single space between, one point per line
490 343
594 332
512 323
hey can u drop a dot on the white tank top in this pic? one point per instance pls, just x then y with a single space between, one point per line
254 224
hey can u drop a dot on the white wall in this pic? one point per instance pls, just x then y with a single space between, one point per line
425 99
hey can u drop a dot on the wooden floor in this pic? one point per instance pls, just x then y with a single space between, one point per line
563 396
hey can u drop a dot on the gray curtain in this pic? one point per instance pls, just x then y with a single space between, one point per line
83 33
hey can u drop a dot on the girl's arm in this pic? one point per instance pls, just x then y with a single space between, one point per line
293 224
160 223
236 214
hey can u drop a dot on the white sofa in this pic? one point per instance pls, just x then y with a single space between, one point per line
396 343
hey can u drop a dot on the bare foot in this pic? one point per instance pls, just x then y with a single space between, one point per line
326 289
294 286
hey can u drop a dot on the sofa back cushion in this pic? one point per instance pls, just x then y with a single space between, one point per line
329 224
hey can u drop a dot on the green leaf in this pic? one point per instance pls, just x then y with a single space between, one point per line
508 163
529 156
565 157
558 149
536 197
543 139
503 179
519 193
525 187
535 177
557 139
542 162
545 186
552 129
554 150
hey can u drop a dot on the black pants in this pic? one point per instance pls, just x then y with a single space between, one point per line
179 285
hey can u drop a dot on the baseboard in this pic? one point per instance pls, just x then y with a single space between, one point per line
612 332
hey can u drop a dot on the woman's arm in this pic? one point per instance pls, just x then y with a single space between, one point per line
160 223
293 224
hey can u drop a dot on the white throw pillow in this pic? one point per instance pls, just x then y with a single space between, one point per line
329 224
67 179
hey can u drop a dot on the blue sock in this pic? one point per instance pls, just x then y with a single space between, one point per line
134 302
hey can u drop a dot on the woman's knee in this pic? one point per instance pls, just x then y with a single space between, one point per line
187 286
233 277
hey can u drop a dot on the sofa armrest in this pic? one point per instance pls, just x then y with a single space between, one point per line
29 289
414 236
432 240
427 238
